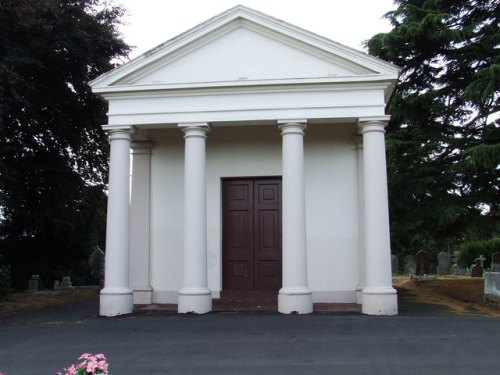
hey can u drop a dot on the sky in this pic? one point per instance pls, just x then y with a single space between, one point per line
149 23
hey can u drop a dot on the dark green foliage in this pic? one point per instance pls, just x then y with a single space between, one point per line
5 282
474 249
53 152
443 153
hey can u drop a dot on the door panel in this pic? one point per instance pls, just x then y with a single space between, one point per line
237 239
252 234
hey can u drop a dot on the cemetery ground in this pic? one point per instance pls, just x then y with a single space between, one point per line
461 295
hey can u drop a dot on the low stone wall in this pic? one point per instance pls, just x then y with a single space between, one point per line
492 288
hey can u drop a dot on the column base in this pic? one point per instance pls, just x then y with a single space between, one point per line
116 301
194 300
142 296
379 301
295 301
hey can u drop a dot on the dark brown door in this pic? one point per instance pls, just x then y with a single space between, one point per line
251 234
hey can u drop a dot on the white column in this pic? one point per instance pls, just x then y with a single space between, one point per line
379 297
295 295
139 222
361 221
195 296
116 297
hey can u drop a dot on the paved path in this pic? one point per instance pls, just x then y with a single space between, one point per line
44 341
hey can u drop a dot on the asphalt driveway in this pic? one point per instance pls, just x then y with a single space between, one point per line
415 342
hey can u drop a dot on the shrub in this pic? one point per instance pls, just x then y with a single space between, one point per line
5 282
472 250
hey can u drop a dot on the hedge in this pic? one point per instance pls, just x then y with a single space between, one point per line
470 251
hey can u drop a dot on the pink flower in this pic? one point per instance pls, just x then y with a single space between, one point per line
71 370
84 356
89 364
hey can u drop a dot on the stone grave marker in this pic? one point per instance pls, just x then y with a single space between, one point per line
409 265
422 263
34 283
394 264
495 262
96 263
457 270
444 263
477 269
66 283
492 289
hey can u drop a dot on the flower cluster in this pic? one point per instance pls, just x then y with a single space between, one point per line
89 364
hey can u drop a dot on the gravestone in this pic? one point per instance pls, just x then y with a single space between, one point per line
66 283
409 266
56 285
394 264
495 262
96 263
443 263
457 270
422 263
477 269
492 289
34 283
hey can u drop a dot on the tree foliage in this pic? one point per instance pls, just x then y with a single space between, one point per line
443 150
53 153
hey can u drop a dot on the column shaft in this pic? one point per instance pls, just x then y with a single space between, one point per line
139 222
379 298
361 222
195 295
295 295
116 297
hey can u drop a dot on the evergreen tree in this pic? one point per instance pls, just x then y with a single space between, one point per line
53 152
443 150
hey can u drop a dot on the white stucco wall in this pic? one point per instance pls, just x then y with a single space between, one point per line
253 151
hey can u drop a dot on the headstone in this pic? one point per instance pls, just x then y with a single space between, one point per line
56 285
495 262
443 263
66 283
492 289
477 269
457 270
96 263
34 283
422 263
394 264
409 266
481 259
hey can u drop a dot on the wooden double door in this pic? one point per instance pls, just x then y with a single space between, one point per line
251 234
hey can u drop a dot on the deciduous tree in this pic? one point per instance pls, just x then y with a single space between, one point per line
53 153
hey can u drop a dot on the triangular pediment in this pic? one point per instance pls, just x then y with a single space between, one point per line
243 46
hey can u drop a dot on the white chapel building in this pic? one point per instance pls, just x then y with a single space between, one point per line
258 163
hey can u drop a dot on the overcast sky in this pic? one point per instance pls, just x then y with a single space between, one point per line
350 22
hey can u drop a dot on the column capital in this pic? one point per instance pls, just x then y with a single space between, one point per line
292 126
141 147
195 129
117 132
373 124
